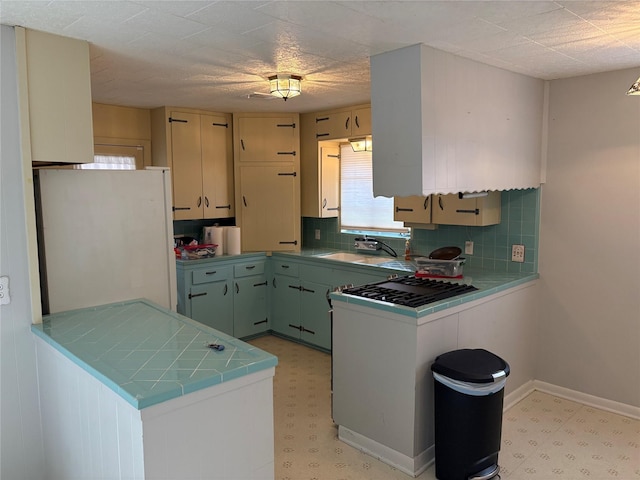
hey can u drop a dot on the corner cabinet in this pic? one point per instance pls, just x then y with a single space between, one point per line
56 107
197 146
453 209
229 295
267 181
321 134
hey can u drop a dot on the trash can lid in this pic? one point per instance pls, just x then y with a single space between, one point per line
471 365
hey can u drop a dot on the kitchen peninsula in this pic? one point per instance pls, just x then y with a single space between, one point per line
376 343
135 391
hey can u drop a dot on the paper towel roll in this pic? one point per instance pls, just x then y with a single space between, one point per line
218 239
233 240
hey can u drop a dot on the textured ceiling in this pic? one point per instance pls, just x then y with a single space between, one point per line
212 55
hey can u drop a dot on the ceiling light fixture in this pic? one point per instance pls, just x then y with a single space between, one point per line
361 144
285 86
635 88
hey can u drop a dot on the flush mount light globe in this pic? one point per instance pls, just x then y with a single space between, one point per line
635 88
285 86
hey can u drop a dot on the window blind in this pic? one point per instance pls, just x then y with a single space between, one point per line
359 210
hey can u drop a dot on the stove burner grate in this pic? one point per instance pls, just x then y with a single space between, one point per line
410 291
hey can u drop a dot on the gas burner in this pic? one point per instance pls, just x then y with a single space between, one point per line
410 291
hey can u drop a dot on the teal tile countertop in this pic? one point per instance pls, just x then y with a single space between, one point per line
487 283
148 354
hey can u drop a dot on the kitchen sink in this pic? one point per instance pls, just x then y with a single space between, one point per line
356 258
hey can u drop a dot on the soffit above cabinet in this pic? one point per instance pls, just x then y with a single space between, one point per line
449 124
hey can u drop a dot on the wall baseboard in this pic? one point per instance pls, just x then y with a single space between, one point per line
597 402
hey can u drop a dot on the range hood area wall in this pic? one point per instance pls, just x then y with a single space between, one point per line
446 124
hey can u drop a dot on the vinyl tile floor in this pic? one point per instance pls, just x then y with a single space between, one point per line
543 436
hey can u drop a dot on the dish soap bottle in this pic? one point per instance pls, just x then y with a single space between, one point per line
407 250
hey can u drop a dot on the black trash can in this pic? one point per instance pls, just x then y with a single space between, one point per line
468 400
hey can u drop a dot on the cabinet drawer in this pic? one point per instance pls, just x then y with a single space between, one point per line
210 274
249 268
285 268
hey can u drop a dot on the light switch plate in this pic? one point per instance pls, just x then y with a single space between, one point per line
5 299
468 247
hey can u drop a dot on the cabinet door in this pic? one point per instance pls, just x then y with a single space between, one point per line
268 139
268 203
212 304
315 318
333 125
330 181
453 210
285 301
186 173
217 167
413 209
361 121
250 306
59 92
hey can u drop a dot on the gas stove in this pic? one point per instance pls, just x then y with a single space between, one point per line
410 291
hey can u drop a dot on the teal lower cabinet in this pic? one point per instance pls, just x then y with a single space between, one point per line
212 304
229 295
250 306
315 315
285 305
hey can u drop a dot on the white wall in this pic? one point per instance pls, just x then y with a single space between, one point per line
21 452
590 238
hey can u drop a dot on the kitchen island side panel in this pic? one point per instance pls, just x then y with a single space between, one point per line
205 435
374 365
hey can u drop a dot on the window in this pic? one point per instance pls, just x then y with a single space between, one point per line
359 210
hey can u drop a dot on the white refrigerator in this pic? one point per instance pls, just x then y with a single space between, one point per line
105 236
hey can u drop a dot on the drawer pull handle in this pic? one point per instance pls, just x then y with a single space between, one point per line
228 207
321 119
333 208
261 321
321 135
213 272
398 209
290 125
250 267
171 120
295 242
474 212
194 295
284 266
262 284
288 174
225 125
181 208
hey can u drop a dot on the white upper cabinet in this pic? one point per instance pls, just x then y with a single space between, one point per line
57 103
446 124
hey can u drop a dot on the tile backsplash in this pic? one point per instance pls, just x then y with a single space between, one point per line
491 244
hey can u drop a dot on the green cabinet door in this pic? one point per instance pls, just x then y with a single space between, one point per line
250 306
285 301
315 317
212 304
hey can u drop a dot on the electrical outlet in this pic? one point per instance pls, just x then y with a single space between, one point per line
517 253
468 248
317 234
